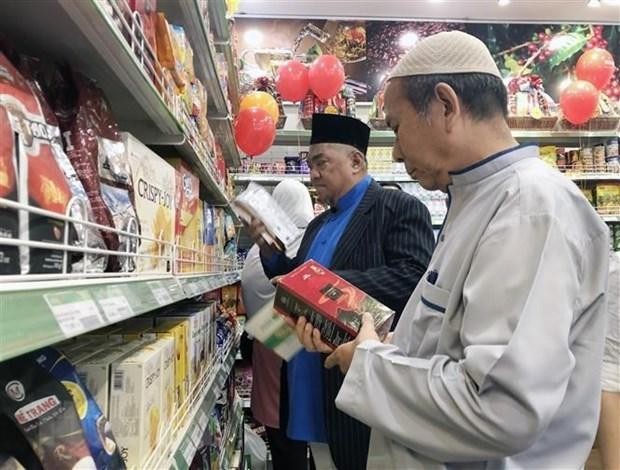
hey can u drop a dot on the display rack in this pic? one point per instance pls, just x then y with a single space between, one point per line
105 47
178 446
301 137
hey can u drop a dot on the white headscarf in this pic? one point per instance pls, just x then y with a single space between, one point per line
293 197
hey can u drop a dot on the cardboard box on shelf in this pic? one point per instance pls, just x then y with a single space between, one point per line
193 316
154 189
177 330
209 235
168 395
95 371
135 404
330 303
188 218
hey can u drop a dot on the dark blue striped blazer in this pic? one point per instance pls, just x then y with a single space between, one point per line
384 251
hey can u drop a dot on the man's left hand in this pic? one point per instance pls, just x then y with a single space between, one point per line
342 356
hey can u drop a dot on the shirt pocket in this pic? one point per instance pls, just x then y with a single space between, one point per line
433 297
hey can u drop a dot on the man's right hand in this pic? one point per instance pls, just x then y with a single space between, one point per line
256 229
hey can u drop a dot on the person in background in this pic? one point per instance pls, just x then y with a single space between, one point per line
496 360
378 240
608 437
257 290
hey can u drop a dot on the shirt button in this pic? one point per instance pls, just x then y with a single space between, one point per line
442 238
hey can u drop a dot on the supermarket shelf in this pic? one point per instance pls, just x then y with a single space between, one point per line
187 13
593 176
301 137
63 309
223 130
231 434
221 29
180 447
98 49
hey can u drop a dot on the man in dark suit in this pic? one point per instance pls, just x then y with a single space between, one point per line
380 241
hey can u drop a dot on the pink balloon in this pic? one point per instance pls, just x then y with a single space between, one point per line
578 101
292 81
255 131
326 76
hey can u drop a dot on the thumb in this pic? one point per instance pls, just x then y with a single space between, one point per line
368 322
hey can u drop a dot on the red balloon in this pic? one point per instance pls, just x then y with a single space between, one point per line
578 101
255 131
596 66
326 76
292 81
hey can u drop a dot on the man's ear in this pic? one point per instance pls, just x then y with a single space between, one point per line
358 160
449 105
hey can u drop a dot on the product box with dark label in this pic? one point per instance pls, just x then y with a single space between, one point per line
330 303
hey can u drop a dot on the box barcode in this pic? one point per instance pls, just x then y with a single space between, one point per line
119 375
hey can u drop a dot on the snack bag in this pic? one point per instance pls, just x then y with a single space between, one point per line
42 410
80 208
93 144
96 427
30 175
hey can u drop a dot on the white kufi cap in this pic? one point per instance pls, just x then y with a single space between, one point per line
450 53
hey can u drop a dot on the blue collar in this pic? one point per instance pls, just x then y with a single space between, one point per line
354 196
493 164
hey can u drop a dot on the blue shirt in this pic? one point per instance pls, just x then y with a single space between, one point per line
306 417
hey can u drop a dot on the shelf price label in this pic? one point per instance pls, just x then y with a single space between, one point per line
197 434
189 451
160 292
75 311
203 419
114 304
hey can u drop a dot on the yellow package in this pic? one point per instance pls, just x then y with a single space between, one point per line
177 330
548 155
608 195
165 53
168 396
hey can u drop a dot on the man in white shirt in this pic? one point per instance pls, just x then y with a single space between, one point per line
496 360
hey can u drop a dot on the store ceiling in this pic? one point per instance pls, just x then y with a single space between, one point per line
525 11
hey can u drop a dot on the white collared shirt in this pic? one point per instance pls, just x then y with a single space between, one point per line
496 360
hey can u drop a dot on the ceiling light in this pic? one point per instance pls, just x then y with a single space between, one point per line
503 3
253 37
611 2
408 40
594 3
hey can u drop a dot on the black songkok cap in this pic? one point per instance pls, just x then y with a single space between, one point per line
336 129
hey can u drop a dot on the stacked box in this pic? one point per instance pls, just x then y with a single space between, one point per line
178 331
95 372
334 306
193 316
168 396
135 404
